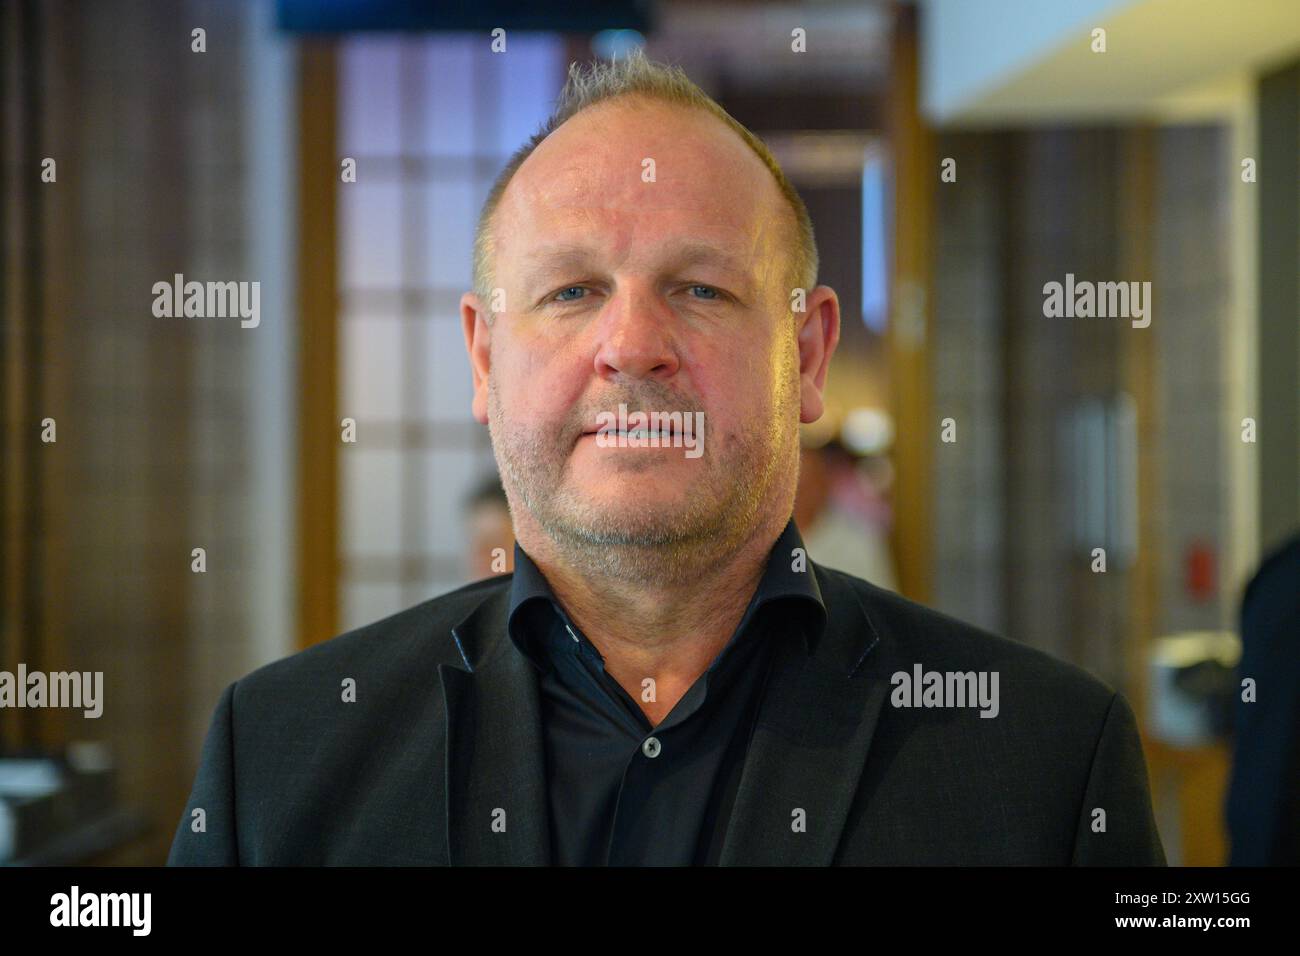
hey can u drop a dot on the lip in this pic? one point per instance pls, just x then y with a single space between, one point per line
614 435
670 430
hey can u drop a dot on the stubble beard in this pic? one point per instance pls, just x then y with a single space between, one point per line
720 510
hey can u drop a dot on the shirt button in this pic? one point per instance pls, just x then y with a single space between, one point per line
651 747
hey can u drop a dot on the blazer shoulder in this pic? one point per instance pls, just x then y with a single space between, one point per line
416 637
938 641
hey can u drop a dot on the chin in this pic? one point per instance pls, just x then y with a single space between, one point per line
643 522
625 498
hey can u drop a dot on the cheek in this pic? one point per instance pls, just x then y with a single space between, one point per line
736 381
539 379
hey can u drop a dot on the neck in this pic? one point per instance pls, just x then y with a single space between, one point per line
667 630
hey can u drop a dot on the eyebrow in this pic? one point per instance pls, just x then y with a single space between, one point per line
546 260
541 262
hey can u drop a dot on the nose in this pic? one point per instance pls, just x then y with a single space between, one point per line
636 337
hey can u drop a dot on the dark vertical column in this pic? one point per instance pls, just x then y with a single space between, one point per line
1279 306
1011 169
20 347
318 348
911 293
1140 379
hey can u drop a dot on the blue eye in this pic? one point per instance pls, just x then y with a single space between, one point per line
711 294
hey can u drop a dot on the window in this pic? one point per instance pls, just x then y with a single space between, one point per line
430 121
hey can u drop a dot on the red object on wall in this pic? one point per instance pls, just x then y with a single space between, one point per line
1200 571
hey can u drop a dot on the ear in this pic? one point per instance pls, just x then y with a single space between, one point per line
818 333
478 336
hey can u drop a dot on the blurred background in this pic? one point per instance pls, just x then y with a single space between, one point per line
955 156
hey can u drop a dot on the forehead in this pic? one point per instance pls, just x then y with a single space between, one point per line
588 179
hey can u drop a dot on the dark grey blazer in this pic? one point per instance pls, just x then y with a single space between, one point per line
443 739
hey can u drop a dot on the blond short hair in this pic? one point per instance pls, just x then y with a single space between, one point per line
634 74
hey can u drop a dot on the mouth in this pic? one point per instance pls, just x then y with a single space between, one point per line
641 436
666 432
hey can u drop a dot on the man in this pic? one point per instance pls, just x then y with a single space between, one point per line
1263 805
665 679
490 534
839 514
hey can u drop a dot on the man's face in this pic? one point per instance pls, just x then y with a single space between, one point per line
642 250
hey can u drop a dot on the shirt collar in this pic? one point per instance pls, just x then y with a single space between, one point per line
788 580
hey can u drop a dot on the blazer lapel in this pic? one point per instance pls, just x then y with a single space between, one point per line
497 811
810 741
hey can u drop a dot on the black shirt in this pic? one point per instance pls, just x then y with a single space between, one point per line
623 792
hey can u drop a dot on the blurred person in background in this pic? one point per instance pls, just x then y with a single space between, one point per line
1264 794
491 535
843 512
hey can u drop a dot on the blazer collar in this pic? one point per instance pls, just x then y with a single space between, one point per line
810 740
787 578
